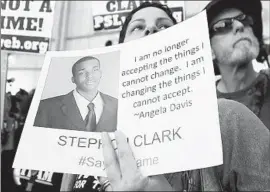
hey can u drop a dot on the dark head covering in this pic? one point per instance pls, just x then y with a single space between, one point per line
249 7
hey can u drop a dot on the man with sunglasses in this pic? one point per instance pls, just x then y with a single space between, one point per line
235 28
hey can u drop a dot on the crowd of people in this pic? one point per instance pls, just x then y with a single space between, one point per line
16 107
235 29
15 111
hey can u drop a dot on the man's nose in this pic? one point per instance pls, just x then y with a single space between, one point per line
88 74
238 26
151 30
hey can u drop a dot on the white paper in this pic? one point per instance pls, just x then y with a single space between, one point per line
166 135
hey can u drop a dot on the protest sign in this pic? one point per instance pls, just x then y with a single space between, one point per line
26 25
42 176
111 14
167 105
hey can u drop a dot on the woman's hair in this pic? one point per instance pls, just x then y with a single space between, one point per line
165 8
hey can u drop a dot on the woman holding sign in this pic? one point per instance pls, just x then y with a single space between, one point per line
244 137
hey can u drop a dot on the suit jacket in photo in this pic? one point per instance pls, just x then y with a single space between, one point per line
62 112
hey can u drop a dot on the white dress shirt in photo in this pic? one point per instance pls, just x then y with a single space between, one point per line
82 104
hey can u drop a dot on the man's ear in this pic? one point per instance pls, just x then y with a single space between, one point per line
72 79
213 54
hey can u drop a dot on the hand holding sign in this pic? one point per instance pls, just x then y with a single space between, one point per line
160 109
16 176
122 170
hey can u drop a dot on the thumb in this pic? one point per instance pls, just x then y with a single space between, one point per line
16 176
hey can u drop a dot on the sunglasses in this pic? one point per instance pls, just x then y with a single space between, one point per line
226 25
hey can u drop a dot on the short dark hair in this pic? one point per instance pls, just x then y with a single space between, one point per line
87 58
165 8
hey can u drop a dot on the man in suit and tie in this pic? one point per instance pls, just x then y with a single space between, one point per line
84 108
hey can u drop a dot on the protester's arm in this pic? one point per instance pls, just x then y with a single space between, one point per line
123 172
246 149
67 182
9 134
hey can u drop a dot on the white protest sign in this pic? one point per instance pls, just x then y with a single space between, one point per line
26 26
162 83
162 99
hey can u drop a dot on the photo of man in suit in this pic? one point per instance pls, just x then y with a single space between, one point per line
85 108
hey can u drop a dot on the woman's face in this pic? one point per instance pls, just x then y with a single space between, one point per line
147 21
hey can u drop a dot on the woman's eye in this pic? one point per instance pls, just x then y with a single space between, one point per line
163 27
137 28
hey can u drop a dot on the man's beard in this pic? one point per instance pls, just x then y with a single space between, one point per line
241 59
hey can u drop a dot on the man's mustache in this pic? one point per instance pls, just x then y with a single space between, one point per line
242 39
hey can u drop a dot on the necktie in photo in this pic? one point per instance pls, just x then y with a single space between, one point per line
90 120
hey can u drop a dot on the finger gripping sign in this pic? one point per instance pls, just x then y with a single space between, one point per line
153 89
26 25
